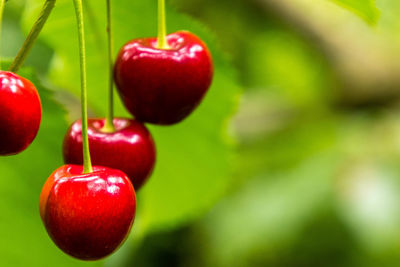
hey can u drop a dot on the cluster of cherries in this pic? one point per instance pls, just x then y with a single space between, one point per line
89 214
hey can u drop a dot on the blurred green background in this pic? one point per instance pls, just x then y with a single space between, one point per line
291 161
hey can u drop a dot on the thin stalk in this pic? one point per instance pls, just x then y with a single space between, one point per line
87 164
109 124
32 36
2 5
162 28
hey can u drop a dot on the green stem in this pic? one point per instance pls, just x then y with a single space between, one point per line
2 4
33 35
109 124
87 164
162 28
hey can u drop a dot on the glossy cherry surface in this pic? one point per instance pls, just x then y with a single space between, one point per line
130 148
88 216
20 113
163 86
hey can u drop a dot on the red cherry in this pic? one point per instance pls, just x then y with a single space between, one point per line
130 148
20 113
88 216
163 86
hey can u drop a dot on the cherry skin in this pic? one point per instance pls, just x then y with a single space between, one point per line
20 113
130 148
163 86
88 216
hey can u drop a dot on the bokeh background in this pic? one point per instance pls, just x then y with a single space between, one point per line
291 161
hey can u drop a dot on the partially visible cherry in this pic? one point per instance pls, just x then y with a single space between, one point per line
130 148
163 86
88 216
20 113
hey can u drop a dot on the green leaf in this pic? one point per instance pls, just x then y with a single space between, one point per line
22 177
193 164
273 210
366 9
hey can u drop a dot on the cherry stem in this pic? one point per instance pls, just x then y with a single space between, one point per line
2 5
87 164
162 28
109 124
32 36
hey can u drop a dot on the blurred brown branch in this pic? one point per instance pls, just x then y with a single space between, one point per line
367 63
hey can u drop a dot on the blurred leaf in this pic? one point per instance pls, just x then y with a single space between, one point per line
288 144
288 68
24 239
268 212
193 162
366 9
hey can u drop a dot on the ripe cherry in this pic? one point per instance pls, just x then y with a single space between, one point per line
130 148
163 86
88 216
20 113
